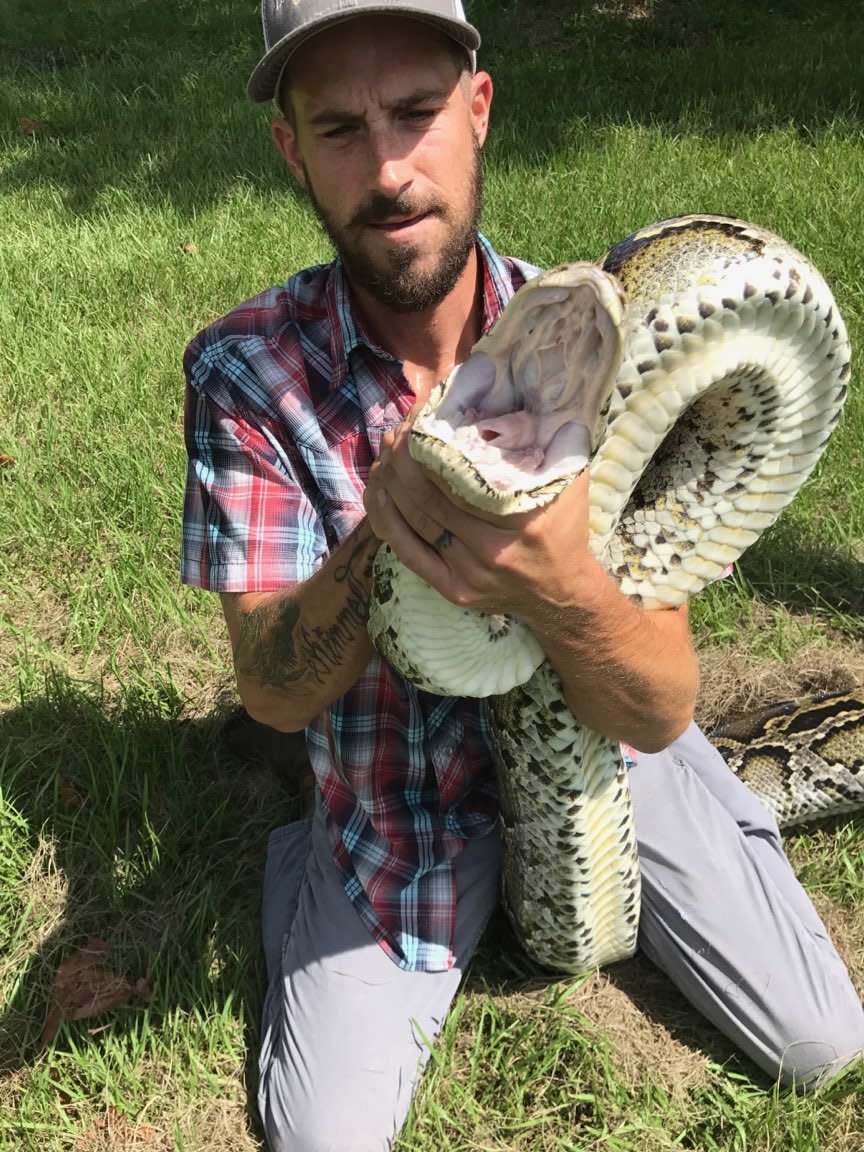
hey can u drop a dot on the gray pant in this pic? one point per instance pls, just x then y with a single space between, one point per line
345 1031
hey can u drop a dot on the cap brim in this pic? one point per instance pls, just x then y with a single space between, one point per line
265 76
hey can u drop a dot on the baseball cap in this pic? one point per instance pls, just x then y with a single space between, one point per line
287 23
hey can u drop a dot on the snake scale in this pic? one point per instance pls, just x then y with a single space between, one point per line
804 758
699 368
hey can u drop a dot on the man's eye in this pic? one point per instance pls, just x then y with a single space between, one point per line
339 132
420 115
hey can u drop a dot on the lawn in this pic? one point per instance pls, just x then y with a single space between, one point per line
140 198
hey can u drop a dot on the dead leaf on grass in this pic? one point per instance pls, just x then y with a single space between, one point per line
6 461
189 247
70 794
112 1132
30 127
84 987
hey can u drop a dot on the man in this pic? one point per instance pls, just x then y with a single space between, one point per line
298 469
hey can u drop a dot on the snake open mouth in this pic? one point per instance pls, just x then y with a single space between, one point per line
519 418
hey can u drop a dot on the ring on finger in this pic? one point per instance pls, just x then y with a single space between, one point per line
444 540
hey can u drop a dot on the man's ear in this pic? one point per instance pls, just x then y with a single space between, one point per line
285 139
481 101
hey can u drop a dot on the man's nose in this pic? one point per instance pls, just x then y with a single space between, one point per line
389 162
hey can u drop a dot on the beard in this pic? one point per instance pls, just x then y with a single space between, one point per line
397 283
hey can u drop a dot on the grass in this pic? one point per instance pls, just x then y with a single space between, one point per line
145 201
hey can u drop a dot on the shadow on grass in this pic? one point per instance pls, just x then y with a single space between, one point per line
500 964
159 832
793 581
678 1031
147 97
815 578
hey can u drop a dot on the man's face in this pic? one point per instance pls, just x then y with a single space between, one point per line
386 138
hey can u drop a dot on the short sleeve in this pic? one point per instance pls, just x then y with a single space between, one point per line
248 526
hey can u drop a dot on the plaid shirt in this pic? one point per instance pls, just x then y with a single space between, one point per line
286 404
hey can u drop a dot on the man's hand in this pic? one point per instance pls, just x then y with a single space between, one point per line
628 673
514 564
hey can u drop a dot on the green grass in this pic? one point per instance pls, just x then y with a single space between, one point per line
148 202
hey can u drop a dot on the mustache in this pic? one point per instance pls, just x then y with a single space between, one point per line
379 208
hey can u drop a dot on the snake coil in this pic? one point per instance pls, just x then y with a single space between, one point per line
699 370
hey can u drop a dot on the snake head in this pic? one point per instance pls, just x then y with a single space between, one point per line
514 423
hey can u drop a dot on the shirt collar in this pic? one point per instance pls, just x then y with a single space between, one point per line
346 334
497 283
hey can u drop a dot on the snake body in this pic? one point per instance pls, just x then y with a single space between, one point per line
804 758
699 368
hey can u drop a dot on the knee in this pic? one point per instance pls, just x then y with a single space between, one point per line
314 1122
313 1131
814 1053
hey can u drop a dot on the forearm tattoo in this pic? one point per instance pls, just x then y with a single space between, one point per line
281 651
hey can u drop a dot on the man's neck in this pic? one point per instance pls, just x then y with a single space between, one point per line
431 342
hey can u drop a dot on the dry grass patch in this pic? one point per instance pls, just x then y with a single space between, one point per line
734 680
846 928
31 620
35 904
114 1132
654 1034
41 895
205 1125
37 637
172 1112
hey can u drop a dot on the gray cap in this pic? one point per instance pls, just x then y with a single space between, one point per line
287 23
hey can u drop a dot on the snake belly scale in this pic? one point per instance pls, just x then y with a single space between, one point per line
699 369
